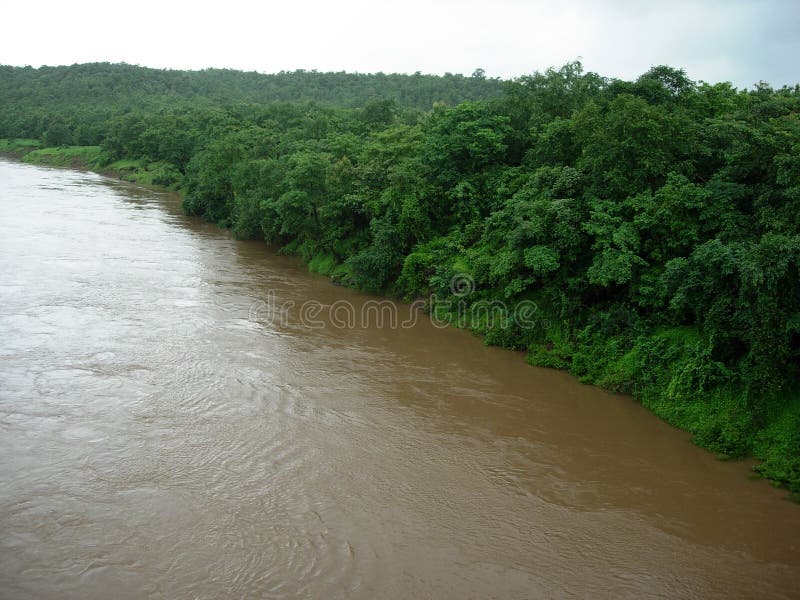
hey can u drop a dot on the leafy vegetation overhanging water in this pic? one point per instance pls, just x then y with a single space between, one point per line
654 224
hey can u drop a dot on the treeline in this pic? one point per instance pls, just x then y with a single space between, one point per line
71 102
654 223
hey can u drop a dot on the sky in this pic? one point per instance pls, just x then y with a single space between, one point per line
741 41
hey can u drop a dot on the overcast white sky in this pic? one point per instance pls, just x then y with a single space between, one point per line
742 41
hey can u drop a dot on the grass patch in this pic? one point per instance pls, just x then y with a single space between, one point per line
154 173
778 446
18 145
324 264
126 164
84 157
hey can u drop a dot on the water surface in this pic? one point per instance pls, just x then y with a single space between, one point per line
160 438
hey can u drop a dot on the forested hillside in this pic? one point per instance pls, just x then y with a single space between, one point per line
654 223
88 93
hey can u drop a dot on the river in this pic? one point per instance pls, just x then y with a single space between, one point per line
172 425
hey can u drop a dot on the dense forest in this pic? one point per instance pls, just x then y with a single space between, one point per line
654 224
90 93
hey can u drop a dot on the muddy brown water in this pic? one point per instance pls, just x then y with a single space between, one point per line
166 433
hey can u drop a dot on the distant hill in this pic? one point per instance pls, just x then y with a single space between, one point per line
106 83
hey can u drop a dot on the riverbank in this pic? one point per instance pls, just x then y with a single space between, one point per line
91 158
669 370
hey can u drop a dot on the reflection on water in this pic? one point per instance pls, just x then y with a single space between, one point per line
158 442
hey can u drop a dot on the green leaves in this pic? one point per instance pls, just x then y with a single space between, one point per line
631 146
541 260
